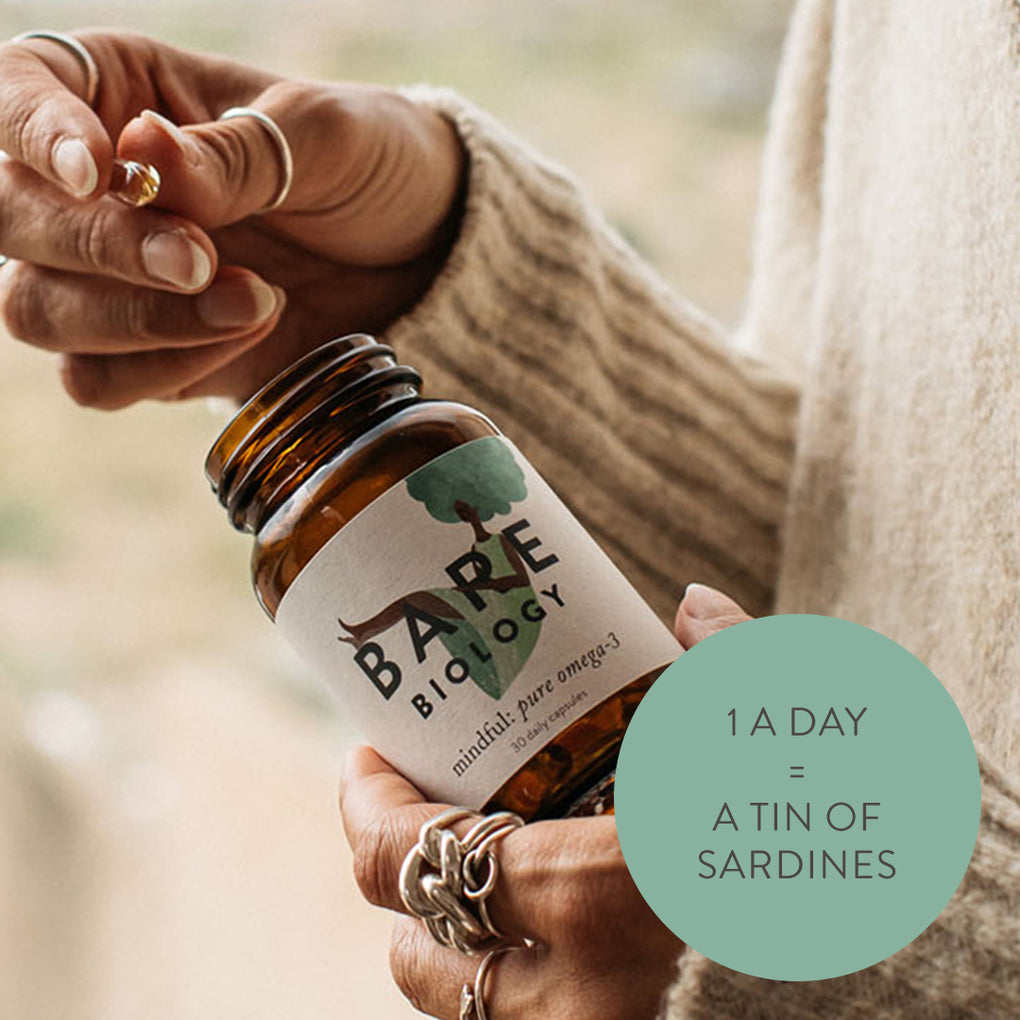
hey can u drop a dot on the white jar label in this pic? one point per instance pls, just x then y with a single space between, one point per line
465 619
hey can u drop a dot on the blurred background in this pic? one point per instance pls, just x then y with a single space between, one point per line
169 840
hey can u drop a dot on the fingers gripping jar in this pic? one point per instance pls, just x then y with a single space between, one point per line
481 640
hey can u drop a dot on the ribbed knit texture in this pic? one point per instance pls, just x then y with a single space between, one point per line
673 450
887 280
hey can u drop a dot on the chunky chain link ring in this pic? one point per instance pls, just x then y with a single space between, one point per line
446 881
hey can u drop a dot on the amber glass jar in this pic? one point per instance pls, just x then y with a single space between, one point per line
420 520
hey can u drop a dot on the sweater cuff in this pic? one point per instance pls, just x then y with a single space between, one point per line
516 200
672 449
964 966
513 197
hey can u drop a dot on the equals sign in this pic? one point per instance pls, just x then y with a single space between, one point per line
796 771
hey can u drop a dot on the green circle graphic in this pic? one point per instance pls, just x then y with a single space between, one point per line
797 740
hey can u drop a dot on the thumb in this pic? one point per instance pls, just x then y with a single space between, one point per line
702 612
215 173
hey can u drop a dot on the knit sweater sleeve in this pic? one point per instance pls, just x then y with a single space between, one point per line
672 448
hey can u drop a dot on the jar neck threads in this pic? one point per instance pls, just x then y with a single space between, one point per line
287 429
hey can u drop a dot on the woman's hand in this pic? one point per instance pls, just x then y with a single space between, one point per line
603 956
199 294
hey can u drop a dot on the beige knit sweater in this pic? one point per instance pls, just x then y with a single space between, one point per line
887 292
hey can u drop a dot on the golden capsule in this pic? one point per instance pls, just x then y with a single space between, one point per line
134 183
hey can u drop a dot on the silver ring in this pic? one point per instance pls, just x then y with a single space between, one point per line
472 998
445 881
282 148
85 58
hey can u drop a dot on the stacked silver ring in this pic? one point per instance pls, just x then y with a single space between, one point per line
279 139
445 880
85 58
472 997
91 68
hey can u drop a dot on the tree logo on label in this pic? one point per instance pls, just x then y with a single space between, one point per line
489 619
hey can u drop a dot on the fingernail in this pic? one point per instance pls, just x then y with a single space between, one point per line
171 256
228 304
703 603
74 165
181 140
